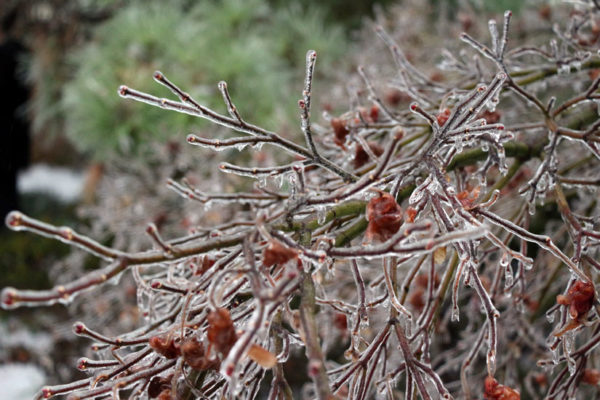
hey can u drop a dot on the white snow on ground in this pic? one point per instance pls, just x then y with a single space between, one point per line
32 341
20 381
62 183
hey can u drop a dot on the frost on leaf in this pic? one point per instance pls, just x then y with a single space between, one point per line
277 253
221 332
496 391
361 157
579 299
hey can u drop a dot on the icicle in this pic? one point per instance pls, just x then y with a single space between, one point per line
531 207
508 273
555 355
491 361
455 313
492 103
321 215
564 69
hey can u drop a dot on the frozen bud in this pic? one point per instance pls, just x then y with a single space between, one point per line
9 298
123 90
13 220
384 216
229 369
313 368
398 133
443 116
82 363
79 328
47 392
192 139
158 76
411 213
156 285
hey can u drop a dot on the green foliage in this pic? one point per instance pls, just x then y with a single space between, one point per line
254 48
452 7
350 13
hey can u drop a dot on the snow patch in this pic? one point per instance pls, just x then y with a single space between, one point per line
62 183
20 381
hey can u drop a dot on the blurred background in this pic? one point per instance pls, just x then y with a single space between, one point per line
74 153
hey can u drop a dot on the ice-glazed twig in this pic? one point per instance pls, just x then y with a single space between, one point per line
543 241
198 110
409 359
367 180
18 221
394 245
388 273
373 94
304 104
255 172
218 144
231 108
152 231
401 59
194 194
362 315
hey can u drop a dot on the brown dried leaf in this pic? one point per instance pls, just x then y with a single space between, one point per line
262 356
439 255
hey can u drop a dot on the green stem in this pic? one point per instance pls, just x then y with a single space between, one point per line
546 72
352 207
512 149
197 378
445 285
314 353
353 231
